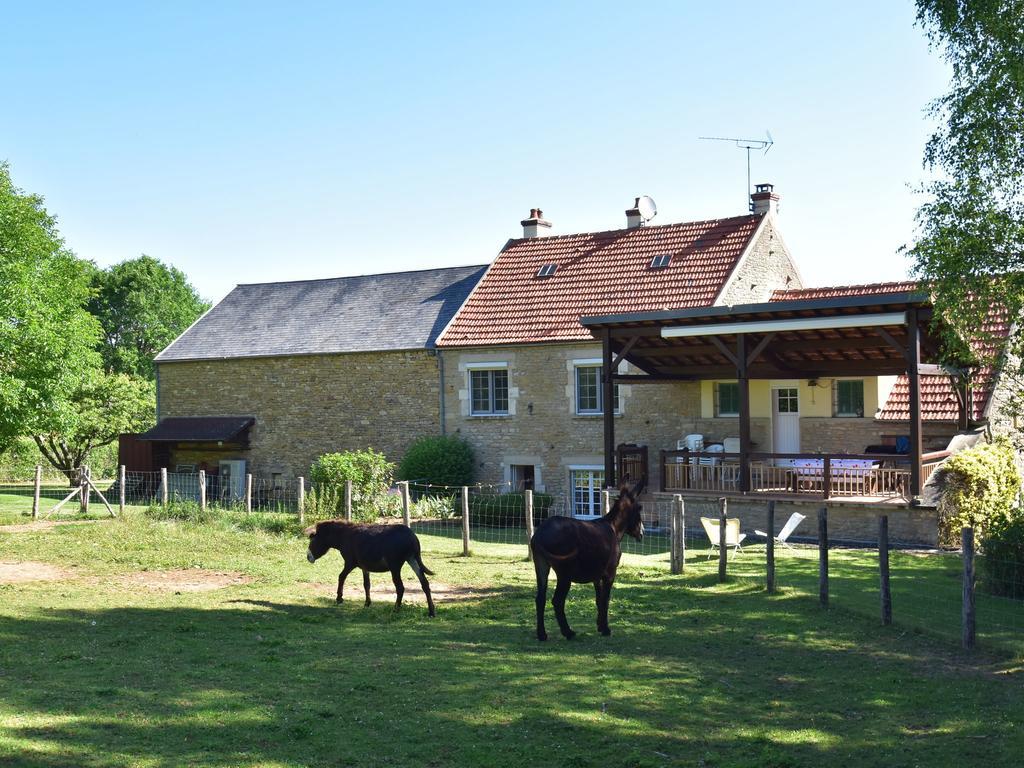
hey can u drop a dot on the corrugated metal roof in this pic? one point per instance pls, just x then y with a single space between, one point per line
402 310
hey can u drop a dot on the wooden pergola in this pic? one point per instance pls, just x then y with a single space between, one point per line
877 335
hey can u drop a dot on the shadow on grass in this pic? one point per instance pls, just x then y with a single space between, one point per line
691 674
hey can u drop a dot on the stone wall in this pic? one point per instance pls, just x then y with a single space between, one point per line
544 429
766 267
305 406
848 522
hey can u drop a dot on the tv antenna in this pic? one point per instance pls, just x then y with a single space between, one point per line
747 144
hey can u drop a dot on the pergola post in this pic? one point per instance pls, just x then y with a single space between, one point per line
744 388
914 379
609 409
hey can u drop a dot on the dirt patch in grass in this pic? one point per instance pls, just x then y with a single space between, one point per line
44 525
20 573
185 580
384 590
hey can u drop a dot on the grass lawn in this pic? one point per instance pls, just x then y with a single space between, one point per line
96 670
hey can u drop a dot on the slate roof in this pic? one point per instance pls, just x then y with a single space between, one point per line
200 429
938 398
597 273
402 310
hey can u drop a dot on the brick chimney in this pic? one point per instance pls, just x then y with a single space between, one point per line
535 225
633 218
764 200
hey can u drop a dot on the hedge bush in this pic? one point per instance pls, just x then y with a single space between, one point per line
1002 566
507 510
980 487
438 460
371 475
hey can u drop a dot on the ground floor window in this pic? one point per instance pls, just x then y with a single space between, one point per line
587 484
522 476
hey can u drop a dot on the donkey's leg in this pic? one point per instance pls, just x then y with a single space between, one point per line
414 564
341 579
366 585
541 567
604 593
396 576
558 601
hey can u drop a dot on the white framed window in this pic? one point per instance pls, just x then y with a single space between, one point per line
488 391
590 390
586 483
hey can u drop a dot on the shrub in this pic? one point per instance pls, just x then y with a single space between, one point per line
434 507
371 475
980 486
507 510
1002 567
438 460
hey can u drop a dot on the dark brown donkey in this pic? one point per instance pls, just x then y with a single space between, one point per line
583 552
376 548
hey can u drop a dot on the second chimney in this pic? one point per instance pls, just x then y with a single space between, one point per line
535 225
633 218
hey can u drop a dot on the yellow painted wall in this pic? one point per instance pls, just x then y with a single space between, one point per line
814 401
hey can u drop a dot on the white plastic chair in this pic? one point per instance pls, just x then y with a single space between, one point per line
794 520
733 537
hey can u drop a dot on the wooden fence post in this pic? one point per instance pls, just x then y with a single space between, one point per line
723 552
164 493
883 568
83 477
36 490
678 528
301 499
248 492
465 521
202 489
823 556
680 510
967 537
528 504
122 491
606 501
348 501
770 550
406 512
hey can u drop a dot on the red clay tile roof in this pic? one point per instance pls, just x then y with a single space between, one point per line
938 400
836 291
598 273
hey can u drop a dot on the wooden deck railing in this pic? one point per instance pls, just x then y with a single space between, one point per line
847 475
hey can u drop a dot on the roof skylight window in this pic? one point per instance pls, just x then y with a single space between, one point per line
547 270
661 261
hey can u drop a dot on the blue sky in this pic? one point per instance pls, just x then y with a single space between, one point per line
247 142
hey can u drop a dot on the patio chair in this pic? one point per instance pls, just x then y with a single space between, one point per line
794 520
733 537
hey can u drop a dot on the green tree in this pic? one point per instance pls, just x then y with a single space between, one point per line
142 305
970 244
47 338
102 406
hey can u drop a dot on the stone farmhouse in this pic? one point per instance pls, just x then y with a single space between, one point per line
511 357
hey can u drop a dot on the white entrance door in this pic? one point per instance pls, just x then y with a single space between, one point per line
785 420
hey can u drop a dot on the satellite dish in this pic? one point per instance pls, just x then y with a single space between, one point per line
645 205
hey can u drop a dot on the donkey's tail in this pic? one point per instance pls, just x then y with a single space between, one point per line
419 559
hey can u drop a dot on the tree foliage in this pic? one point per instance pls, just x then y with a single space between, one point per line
142 305
102 407
438 460
47 338
970 244
980 488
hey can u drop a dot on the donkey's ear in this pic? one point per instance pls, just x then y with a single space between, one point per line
309 531
640 485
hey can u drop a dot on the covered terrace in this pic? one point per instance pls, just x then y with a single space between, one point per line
868 335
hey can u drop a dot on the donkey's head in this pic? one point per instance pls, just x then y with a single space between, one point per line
628 509
319 541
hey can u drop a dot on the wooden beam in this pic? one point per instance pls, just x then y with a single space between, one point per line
781 346
654 377
914 376
744 382
609 410
622 354
901 348
725 350
759 348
